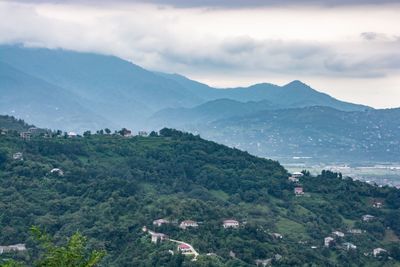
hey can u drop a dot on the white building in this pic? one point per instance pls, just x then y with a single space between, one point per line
25 135
160 222
338 233
328 241
12 248
157 237
378 251
367 218
230 224
355 231
57 171
188 223
377 204
297 174
277 235
18 156
72 134
349 246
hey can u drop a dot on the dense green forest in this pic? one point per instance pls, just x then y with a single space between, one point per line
107 187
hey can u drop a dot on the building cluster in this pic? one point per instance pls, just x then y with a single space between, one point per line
183 247
330 241
336 236
33 131
185 224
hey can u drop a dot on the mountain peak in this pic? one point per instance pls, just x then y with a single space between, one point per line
296 83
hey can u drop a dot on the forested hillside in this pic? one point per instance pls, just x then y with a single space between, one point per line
11 123
108 187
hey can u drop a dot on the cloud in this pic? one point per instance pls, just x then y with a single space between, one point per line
261 44
166 38
228 3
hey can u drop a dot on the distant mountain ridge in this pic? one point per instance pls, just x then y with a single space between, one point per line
323 134
293 94
105 90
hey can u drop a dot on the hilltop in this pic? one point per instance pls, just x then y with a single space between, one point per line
111 186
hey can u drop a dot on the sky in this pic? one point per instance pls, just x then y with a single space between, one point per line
349 49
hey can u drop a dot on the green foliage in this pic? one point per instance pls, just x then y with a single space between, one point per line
73 254
3 157
112 186
11 263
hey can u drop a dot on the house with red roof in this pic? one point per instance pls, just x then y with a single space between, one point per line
185 249
298 191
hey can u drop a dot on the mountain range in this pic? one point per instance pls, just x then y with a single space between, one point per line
76 91
112 92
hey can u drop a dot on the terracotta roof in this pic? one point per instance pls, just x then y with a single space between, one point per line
184 246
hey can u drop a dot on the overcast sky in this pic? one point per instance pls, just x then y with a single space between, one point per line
347 48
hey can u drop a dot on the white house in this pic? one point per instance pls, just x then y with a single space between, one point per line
160 222
349 246
18 156
188 223
57 171
72 134
338 233
367 218
230 224
297 174
157 237
378 251
277 235
293 179
328 241
355 231
377 204
25 135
